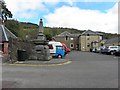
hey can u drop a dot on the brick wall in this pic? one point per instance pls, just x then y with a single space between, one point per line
69 41
5 48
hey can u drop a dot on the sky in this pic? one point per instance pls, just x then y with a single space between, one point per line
96 15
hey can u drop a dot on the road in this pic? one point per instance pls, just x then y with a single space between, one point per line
87 70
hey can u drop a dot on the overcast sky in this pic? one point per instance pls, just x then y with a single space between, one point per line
78 14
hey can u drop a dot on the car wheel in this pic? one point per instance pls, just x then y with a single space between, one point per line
59 56
111 52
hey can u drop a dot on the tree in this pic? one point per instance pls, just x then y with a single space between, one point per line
13 26
5 12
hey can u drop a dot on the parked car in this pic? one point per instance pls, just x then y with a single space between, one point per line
60 52
98 49
113 49
94 50
66 48
117 53
55 50
109 49
104 50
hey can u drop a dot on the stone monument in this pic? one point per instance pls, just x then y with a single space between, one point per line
40 50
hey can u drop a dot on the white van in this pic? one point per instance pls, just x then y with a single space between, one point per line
52 47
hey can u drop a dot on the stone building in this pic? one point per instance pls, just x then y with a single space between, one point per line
89 39
83 42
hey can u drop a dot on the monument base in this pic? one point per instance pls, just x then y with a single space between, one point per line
41 53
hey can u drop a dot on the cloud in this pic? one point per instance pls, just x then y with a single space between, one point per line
20 8
74 17
51 2
65 16
28 9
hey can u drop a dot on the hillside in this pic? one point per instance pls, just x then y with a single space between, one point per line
56 31
26 30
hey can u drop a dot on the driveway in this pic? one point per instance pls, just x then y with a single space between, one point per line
87 70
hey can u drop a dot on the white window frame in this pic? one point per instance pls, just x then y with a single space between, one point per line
70 45
71 39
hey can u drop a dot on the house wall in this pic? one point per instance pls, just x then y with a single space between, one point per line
82 43
86 42
69 41
5 48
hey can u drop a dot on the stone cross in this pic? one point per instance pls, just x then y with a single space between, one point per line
41 26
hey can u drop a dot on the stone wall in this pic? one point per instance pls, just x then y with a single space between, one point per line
15 45
85 42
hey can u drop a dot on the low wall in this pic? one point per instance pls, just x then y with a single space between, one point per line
15 45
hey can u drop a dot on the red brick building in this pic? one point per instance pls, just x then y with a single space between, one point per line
71 40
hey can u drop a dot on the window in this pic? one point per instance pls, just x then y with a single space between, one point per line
71 38
50 46
88 38
113 47
71 45
59 47
88 34
66 38
88 45
101 38
102 44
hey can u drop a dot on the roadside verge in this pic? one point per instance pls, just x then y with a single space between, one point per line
53 62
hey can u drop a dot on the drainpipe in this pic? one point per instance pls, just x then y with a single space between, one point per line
85 42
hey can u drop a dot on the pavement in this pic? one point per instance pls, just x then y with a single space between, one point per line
52 62
87 70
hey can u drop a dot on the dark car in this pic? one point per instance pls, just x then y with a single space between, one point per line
104 50
117 53
111 50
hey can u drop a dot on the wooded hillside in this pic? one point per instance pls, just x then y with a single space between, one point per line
26 30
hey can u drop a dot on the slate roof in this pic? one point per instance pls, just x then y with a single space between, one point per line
113 40
104 40
66 33
5 34
90 32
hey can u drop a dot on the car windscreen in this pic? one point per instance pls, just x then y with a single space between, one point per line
59 47
113 47
50 46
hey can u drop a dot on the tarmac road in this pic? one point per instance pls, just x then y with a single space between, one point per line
87 70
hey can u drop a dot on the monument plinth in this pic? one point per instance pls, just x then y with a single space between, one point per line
40 49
